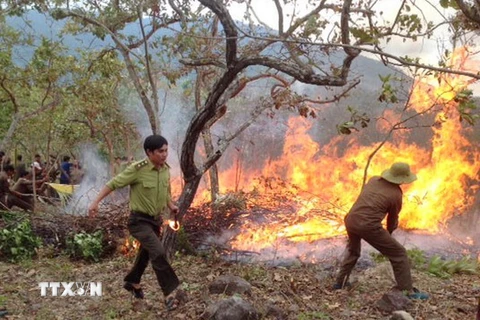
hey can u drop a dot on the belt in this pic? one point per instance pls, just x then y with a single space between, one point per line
144 215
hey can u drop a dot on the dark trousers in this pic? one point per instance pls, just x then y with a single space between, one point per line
10 200
146 230
381 240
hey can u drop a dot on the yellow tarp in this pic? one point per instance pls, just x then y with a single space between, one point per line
63 188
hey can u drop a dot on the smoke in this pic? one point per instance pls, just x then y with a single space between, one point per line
285 253
174 115
96 171
96 174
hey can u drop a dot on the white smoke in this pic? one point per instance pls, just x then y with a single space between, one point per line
96 174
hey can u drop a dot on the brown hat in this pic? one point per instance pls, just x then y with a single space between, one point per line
399 173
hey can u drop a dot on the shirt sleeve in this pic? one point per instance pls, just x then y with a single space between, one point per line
169 189
124 178
392 219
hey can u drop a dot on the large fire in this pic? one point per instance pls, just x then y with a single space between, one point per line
323 182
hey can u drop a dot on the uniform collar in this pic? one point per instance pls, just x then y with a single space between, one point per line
150 165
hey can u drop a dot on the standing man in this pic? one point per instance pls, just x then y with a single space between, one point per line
20 168
149 182
37 165
65 170
379 197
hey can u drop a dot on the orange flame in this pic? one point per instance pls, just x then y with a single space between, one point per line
323 181
130 247
332 180
174 225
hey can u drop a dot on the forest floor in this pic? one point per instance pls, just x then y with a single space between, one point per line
300 291
296 290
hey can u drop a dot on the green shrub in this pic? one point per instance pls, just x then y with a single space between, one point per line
87 246
377 257
415 256
445 268
18 242
183 242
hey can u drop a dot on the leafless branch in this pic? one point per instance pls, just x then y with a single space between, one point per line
42 108
203 62
228 27
13 99
472 12
336 97
179 12
97 23
147 61
404 62
155 27
225 142
280 17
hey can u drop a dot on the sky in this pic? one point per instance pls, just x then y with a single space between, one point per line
428 50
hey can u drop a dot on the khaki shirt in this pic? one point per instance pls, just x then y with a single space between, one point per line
149 187
378 198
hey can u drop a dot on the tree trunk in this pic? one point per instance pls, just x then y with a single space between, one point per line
184 202
150 109
7 139
213 172
207 138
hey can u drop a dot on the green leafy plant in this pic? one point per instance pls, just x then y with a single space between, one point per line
183 242
416 256
446 268
355 119
18 242
3 301
254 273
377 257
87 246
467 106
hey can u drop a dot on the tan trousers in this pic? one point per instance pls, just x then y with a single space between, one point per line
381 240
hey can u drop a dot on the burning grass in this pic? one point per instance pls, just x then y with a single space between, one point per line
277 227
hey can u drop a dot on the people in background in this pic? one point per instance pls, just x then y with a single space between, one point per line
24 187
37 165
65 170
20 168
8 197
77 172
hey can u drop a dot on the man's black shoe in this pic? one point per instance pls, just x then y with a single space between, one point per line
137 293
338 286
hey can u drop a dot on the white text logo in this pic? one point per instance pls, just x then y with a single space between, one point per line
70 289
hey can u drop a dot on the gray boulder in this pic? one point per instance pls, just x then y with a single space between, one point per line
234 308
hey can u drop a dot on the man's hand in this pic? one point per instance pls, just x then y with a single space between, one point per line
174 209
93 210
